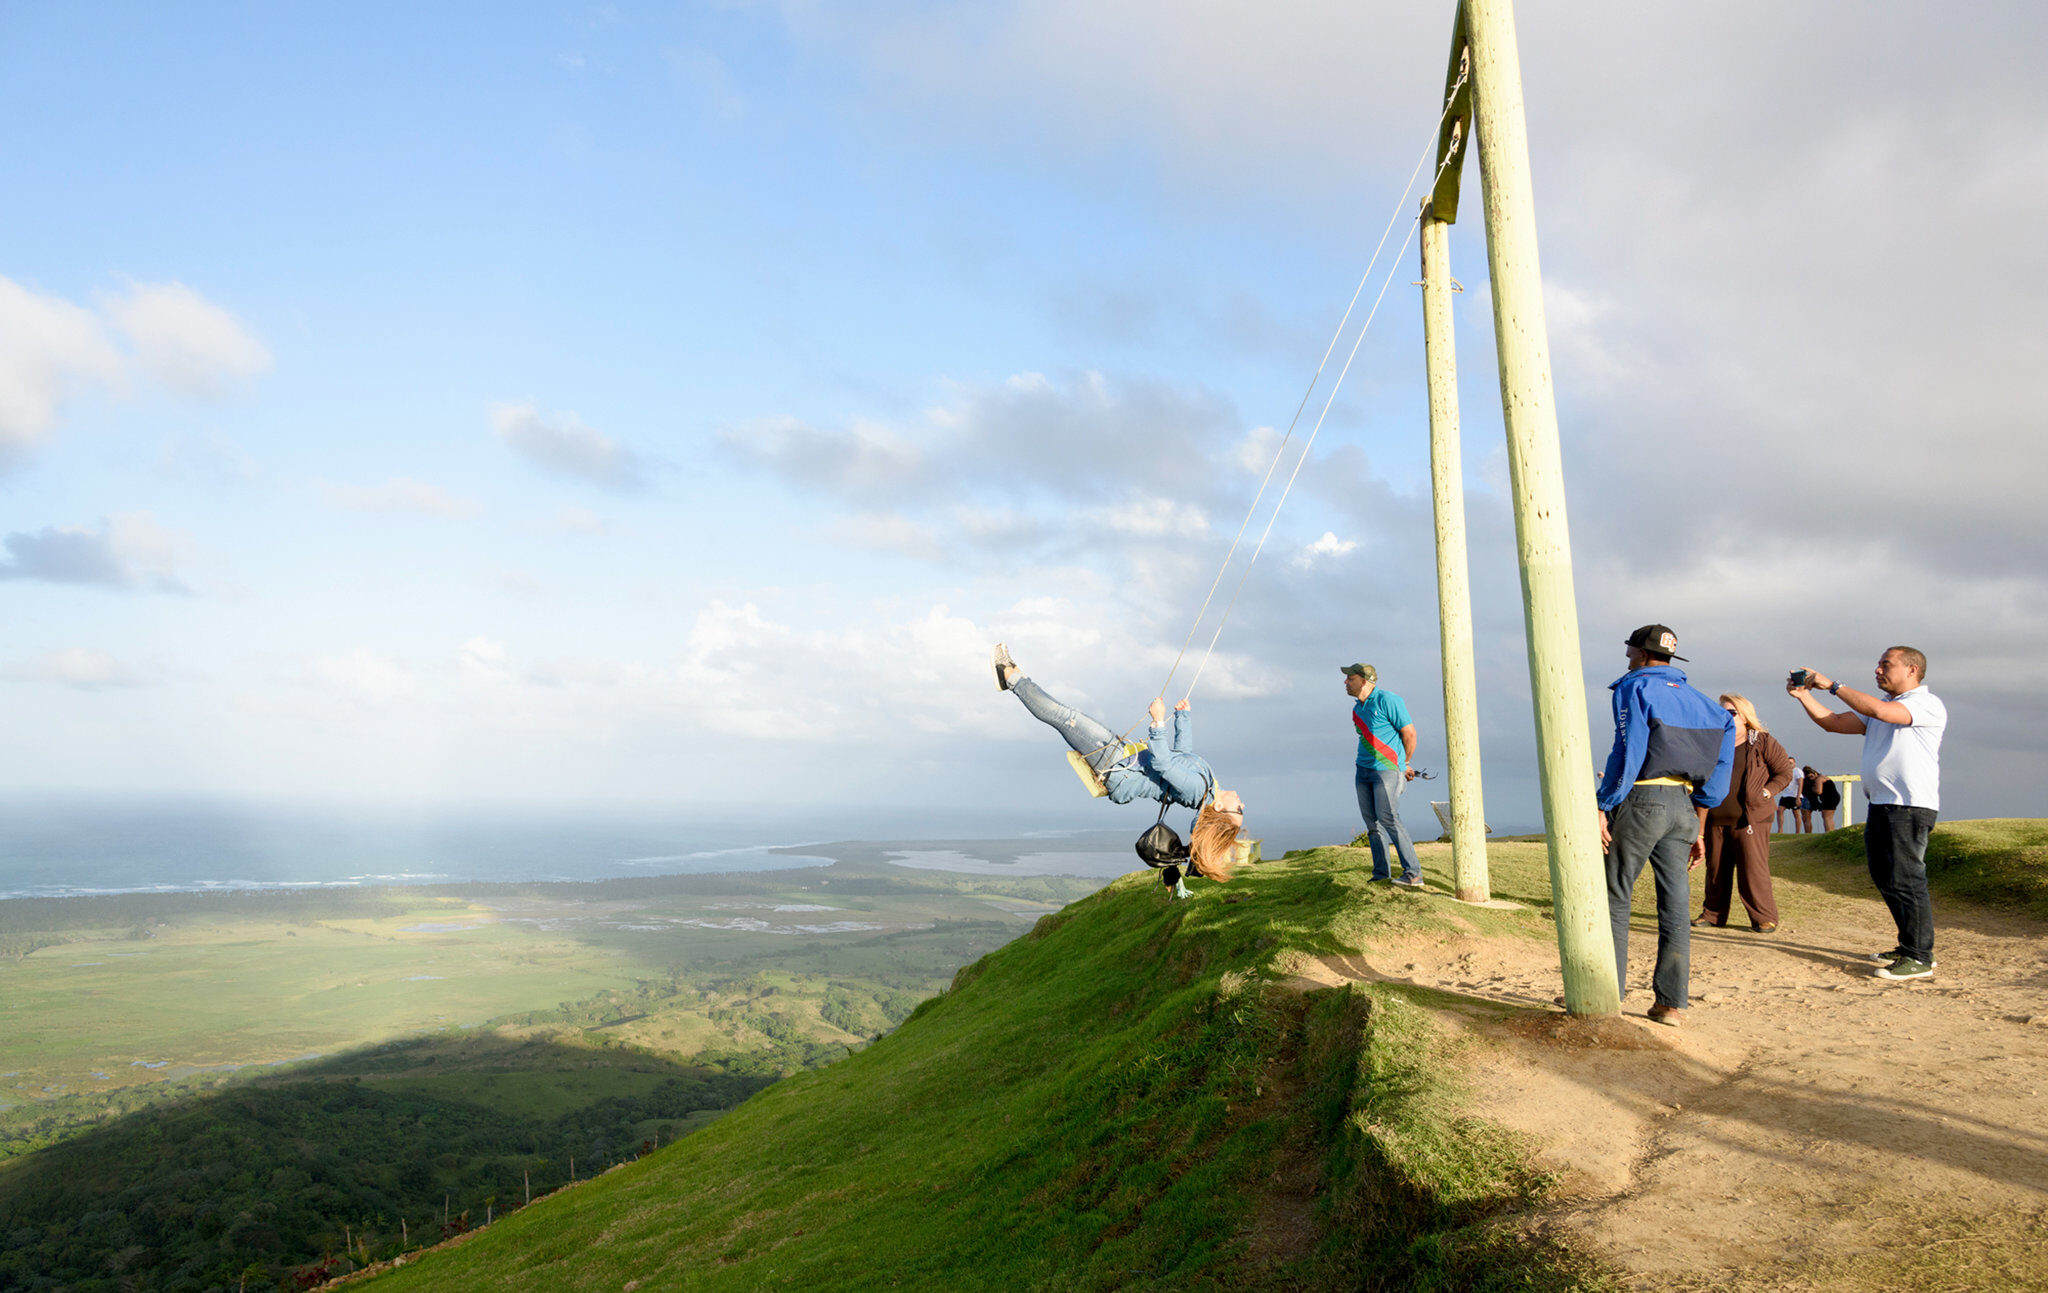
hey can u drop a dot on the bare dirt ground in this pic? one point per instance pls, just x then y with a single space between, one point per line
1809 1127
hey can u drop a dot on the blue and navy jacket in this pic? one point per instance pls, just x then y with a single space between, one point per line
1664 728
1174 773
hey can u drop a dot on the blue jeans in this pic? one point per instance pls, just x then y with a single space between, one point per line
1895 845
1655 824
1379 802
1089 736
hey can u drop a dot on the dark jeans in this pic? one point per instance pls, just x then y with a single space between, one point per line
1379 803
1655 824
1895 842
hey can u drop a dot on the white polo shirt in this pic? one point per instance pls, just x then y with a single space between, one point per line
1902 763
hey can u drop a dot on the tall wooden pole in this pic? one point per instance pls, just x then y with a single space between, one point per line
1557 686
1453 585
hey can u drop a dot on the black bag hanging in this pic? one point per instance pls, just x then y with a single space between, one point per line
1161 845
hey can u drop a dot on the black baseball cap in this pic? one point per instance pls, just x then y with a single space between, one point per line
1657 639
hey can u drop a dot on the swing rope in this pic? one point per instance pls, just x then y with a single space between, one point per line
1280 452
1335 386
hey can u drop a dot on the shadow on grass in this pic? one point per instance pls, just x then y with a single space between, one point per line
361 1153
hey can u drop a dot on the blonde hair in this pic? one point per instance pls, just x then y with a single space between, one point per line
1744 708
1213 843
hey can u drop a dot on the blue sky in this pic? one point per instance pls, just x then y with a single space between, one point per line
594 403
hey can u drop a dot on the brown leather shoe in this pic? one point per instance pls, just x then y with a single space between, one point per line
1670 1016
1704 919
1771 928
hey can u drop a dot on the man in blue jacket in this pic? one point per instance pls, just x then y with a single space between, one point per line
1673 748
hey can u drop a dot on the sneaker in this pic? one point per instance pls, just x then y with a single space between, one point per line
1003 663
1708 921
1771 928
1417 883
1886 958
1669 1016
1906 968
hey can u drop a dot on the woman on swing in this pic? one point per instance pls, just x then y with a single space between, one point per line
1169 772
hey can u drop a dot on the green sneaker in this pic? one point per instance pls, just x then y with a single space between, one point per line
1886 958
1905 967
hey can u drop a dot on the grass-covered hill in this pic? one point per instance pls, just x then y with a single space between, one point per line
2001 862
1138 1094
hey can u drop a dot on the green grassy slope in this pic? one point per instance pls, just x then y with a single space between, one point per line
1139 1094
2001 862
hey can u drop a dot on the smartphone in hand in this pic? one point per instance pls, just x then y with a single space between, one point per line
1801 678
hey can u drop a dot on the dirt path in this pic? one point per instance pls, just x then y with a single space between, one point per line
1809 1127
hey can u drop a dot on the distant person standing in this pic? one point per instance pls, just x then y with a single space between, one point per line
1902 782
1827 797
1738 853
1386 758
1673 748
1788 802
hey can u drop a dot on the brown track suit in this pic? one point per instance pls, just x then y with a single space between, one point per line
1739 831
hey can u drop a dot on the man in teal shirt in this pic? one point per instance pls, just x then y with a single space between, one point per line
1386 763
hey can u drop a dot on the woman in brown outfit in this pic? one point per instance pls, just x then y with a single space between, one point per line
1739 827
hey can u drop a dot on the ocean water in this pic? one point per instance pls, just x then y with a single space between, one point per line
55 848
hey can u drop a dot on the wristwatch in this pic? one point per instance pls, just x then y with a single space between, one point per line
1836 690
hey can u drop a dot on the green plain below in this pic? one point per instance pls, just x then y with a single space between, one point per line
1142 1095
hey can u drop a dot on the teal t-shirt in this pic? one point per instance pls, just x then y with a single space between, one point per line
1379 719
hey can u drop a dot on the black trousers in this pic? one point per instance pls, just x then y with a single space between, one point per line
1895 843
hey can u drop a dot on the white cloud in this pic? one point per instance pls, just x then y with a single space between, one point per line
563 444
1255 453
363 675
82 668
1327 546
49 350
1029 437
1007 472
402 494
866 462
127 551
187 342
52 350
1151 518
483 659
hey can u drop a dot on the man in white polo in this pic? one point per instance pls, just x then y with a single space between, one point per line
1902 778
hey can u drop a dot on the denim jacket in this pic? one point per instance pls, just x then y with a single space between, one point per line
1173 773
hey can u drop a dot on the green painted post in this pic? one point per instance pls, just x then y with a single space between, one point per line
1453 586
1557 685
